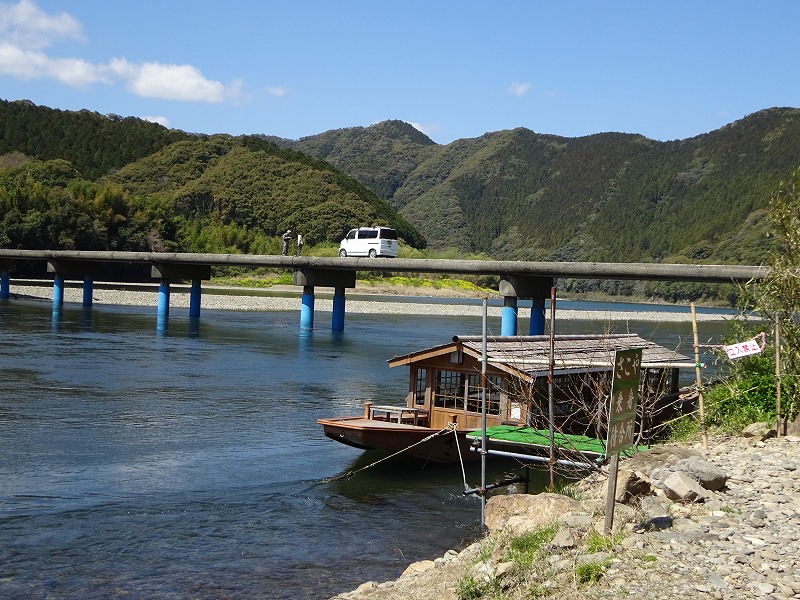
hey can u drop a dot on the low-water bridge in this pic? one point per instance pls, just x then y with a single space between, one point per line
518 279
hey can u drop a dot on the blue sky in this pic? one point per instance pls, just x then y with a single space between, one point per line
454 69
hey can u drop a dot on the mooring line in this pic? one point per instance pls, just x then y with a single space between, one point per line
350 474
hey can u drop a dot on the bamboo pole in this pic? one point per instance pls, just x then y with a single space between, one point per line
699 376
778 375
550 388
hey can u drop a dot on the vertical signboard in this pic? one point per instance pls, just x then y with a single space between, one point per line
621 418
624 400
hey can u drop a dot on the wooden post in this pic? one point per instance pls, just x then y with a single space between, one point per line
613 468
699 377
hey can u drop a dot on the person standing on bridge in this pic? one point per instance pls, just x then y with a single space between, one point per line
299 244
286 237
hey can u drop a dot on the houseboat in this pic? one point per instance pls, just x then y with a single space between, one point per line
446 392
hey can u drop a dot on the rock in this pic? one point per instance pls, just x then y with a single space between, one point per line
520 513
706 473
659 457
759 432
564 539
630 485
418 567
653 507
682 488
793 430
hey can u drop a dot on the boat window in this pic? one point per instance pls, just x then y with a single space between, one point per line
420 385
493 386
449 391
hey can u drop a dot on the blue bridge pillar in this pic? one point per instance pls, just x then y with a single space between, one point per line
88 290
514 287
537 317
194 299
337 320
5 285
58 292
172 272
509 316
162 318
307 308
338 280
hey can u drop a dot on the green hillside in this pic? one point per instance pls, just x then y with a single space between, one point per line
80 180
609 197
83 180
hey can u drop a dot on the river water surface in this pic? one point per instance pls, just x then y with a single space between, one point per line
188 463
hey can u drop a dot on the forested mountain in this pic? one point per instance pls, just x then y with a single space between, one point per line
95 144
80 180
607 197
512 194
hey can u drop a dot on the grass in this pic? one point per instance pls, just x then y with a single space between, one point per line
597 542
591 572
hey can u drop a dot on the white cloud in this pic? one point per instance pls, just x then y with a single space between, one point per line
519 89
33 64
277 90
169 82
160 120
25 30
24 24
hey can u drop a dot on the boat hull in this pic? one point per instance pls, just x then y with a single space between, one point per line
370 434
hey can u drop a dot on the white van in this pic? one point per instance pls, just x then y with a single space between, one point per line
369 241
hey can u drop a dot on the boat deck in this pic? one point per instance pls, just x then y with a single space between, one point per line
361 422
527 437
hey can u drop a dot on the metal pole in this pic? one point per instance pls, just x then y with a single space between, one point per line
483 416
699 377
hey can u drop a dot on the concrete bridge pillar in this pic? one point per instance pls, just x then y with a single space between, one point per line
307 308
514 287
5 278
337 320
75 270
58 292
171 272
162 317
509 315
88 290
310 278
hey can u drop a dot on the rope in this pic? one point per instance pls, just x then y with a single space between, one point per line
349 474
460 458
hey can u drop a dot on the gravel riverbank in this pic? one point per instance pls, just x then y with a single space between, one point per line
742 542
362 300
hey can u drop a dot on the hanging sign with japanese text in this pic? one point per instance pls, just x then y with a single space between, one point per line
624 400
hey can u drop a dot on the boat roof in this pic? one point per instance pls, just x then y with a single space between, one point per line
529 356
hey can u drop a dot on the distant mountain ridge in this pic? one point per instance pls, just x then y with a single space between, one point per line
517 194
513 194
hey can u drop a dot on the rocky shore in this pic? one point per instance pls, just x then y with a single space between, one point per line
722 522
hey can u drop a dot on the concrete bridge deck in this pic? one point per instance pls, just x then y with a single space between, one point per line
518 279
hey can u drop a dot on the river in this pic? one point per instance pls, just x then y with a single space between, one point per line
188 462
